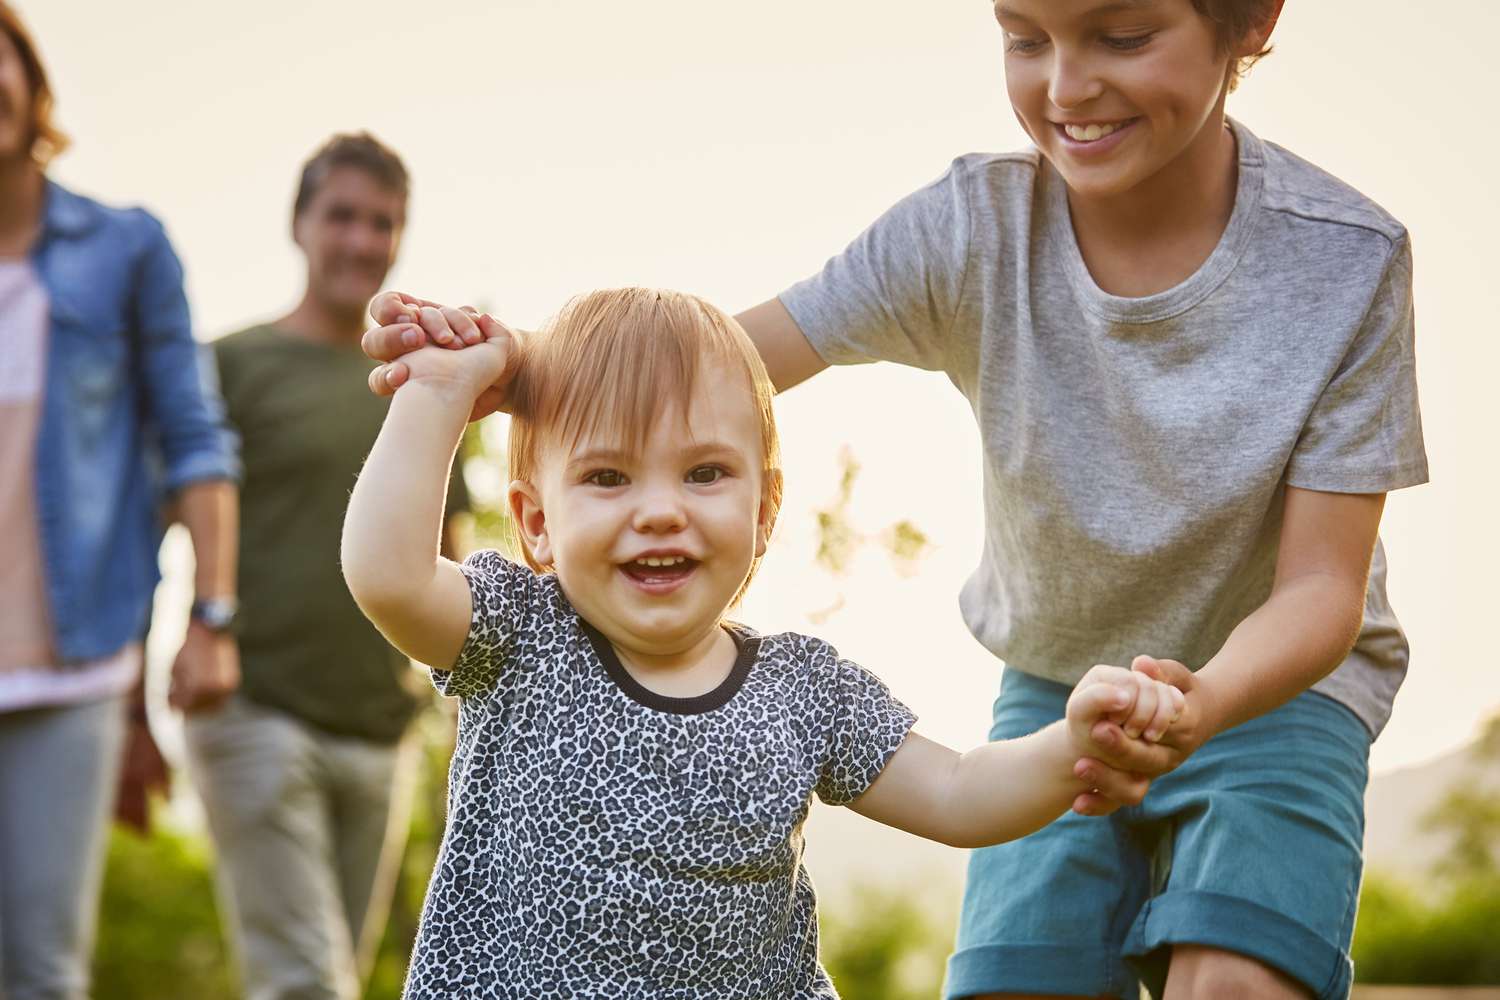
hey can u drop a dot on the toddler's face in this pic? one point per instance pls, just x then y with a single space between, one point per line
1111 92
651 548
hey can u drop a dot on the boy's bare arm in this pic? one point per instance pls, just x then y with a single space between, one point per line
1007 789
1303 630
789 357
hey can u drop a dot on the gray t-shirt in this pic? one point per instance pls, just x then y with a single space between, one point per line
607 841
1137 450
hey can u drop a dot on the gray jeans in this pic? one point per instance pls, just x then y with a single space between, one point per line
309 829
59 768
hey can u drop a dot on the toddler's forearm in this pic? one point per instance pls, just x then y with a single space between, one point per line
1008 789
392 532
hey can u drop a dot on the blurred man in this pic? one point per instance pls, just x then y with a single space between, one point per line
305 772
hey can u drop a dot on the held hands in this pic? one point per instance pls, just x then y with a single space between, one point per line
1137 706
413 335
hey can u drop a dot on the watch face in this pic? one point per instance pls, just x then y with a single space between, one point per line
217 615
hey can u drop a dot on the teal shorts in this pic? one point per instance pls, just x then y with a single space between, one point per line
1253 846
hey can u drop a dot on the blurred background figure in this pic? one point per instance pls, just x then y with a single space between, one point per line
306 773
104 415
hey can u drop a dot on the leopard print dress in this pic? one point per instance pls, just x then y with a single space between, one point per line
607 841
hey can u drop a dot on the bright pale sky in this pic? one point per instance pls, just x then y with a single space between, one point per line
728 150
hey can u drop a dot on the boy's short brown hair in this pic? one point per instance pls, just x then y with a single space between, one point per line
617 359
1231 19
46 139
360 150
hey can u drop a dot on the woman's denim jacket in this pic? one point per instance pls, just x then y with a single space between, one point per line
130 413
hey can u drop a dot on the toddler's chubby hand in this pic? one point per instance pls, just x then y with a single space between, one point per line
425 342
1140 705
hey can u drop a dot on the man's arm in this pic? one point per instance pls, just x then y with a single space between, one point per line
207 669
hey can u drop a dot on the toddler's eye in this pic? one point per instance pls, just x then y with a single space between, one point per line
607 478
1022 46
704 475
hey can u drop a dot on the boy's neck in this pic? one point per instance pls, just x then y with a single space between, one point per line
1157 234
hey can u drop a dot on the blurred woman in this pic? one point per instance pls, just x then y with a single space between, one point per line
104 417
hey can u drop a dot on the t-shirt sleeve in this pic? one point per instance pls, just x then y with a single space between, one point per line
505 596
1364 435
893 293
866 725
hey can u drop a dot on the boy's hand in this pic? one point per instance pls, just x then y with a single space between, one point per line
478 375
1198 720
407 323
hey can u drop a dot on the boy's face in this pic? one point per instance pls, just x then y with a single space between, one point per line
350 231
652 548
1112 91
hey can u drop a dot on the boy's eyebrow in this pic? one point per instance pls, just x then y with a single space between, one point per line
1113 7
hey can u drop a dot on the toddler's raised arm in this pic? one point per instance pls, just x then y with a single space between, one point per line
419 600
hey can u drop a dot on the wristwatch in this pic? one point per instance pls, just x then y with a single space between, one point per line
217 614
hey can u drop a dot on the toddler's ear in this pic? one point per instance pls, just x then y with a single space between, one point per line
770 507
531 520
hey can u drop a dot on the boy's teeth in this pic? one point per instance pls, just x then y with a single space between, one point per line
1088 133
662 560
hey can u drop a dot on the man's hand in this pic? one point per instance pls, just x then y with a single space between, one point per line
206 671
406 323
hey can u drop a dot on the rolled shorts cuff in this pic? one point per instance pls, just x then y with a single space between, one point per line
1036 968
1243 927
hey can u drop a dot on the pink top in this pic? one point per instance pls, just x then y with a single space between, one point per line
29 675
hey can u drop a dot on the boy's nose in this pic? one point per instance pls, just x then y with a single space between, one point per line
1073 81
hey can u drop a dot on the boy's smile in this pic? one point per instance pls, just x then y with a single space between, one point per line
651 547
1115 94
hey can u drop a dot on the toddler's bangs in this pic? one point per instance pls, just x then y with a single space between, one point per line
611 362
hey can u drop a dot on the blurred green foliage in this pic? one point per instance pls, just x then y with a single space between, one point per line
839 540
159 934
886 944
1402 936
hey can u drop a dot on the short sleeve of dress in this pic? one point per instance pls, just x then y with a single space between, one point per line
504 595
893 293
866 725
1364 435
